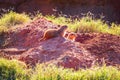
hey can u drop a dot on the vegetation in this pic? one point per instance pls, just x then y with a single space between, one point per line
3 29
11 19
12 70
86 24
52 72
15 70
115 29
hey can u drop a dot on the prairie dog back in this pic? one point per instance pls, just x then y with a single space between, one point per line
51 33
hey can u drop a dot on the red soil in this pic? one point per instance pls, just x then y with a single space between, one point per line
87 50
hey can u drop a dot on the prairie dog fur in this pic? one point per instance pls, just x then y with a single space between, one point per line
51 33
71 36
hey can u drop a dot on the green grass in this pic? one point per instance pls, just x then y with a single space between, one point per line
15 70
115 29
52 72
85 24
3 29
13 18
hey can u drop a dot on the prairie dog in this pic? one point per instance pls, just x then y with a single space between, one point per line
72 36
51 33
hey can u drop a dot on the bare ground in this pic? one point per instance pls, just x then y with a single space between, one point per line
87 50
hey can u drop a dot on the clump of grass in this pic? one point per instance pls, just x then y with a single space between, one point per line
86 24
52 72
15 70
13 18
3 29
114 29
12 70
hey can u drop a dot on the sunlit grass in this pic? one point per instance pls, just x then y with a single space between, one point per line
114 29
10 19
16 70
52 72
13 70
13 18
89 25
85 24
3 29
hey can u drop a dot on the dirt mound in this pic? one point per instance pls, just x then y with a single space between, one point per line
104 46
59 51
87 50
28 35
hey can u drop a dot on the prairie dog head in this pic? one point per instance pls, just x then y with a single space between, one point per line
65 27
72 36
62 30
